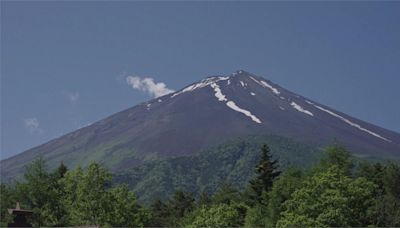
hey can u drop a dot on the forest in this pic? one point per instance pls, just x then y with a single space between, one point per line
337 191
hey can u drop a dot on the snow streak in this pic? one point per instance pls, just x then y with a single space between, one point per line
221 97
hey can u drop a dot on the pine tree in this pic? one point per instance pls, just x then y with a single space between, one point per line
61 170
266 171
160 214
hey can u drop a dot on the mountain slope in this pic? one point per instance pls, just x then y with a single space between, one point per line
231 162
204 114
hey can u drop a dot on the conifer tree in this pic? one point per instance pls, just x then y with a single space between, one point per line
266 171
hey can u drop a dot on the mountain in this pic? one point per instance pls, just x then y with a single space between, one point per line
205 114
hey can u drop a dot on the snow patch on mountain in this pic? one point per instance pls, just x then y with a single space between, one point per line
351 123
221 97
218 93
252 94
301 109
242 83
266 85
233 106
203 83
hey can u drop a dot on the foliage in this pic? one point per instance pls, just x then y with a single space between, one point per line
229 162
328 198
281 191
336 155
7 200
266 171
255 216
219 215
334 192
386 208
226 194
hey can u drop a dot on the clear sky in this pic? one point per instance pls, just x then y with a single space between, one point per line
64 64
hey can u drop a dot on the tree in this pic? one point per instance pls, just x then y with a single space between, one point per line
281 191
329 198
204 199
336 155
125 210
255 216
39 192
266 171
180 204
61 171
7 200
160 214
220 215
226 194
87 199
385 212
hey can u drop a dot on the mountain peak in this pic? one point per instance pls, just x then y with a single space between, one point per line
240 73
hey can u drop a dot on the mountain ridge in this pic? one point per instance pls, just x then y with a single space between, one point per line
204 114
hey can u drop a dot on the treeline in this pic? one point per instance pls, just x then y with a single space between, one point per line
335 192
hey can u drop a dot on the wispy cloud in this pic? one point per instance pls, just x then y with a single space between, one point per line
32 125
72 97
155 89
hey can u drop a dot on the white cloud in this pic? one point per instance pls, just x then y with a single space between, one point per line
72 97
33 125
155 89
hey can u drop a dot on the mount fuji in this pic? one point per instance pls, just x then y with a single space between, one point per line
205 114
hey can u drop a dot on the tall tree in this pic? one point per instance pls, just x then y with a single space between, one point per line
266 172
87 199
160 214
38 192
180 204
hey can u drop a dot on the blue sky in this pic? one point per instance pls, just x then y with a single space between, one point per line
64 64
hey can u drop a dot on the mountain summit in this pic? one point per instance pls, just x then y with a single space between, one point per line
206 113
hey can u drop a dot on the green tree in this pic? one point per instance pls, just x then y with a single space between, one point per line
61 171
329 198
266 171
255 216
204 199
226 194
220 215
125 211
7 200
336 155
181 204
385 212
87 199
160 214
281 191
39 192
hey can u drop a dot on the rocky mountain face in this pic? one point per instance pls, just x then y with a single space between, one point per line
205 114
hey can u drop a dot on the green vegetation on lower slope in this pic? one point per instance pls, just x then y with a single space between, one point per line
231 162
337 191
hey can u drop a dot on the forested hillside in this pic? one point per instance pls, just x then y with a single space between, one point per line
336 191
230 162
